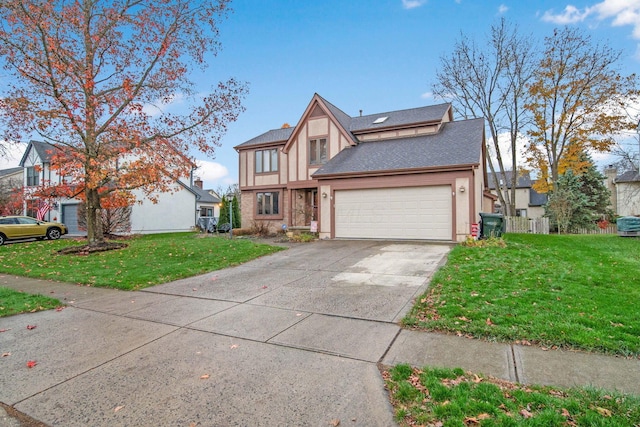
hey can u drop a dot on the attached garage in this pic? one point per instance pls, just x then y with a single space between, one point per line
70 218
394 213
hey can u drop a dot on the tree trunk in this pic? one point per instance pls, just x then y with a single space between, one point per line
94 217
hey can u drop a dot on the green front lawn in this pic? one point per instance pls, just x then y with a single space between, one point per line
569 291
148 260
452 397
14 302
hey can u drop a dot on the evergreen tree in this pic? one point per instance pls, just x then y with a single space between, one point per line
580 198
566 205
224 212
237 222
592 185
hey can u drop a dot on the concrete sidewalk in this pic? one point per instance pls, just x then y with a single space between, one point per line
294 338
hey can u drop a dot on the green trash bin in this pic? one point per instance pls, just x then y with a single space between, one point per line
493 225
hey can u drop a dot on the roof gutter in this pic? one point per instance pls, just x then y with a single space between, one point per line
408 171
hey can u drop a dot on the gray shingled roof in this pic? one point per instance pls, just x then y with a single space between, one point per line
537 199
204 196
11 171
44 150
629 176
274 135
457 143
431 113
523 181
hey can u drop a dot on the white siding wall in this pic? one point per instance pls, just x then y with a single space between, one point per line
173 212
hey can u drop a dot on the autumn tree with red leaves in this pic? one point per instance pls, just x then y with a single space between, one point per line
94 79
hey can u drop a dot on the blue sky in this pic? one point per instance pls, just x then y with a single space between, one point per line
373 56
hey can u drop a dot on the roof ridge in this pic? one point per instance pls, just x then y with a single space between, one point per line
405 109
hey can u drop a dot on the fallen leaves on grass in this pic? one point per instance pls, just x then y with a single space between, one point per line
525 413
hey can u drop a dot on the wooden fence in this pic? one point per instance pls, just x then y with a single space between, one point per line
609 229
517 224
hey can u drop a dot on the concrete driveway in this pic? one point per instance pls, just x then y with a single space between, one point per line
293 338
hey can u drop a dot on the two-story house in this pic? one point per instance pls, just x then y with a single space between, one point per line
178 210
625 191
408 174
528 202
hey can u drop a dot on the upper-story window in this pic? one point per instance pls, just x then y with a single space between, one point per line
318 153
33 177
267 160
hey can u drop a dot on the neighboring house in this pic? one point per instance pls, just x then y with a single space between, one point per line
408 174
11 178
177 210
208 207
528 202
625 191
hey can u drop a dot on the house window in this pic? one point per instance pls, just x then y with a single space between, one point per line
267 203
318 151
33 178
206 212
521 212
267 160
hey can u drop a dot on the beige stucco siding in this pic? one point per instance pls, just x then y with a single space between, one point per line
318 127
243 169
292 164
422 130
283 166
463 215
267 179
628 196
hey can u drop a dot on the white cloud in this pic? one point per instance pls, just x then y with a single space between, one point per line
10 154
620 12
570 15
427 95
211 173
502 9
412 4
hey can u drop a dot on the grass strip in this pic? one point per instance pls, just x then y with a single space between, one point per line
453 397
148 260
556 291
14 302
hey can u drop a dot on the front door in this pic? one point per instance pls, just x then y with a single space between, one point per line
312 202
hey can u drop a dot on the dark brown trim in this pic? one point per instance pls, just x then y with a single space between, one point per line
279 215
375 130
347 175
273 144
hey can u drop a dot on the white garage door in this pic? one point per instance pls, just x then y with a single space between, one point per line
394 213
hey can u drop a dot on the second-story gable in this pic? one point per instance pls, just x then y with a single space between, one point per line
321 133
36 162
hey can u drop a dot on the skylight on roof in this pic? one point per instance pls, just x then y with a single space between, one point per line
380 120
